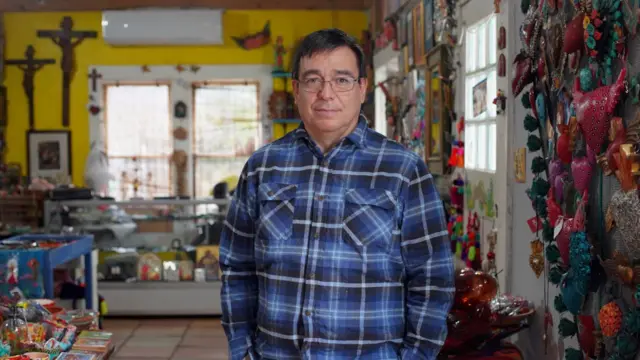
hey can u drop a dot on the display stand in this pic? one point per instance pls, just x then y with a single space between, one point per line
76 246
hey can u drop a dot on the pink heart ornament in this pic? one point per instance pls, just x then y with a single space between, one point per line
582 170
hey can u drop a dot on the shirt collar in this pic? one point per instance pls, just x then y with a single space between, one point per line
357 136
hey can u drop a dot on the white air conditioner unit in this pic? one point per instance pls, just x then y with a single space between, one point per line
162 27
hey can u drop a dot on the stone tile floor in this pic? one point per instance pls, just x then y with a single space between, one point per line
167 339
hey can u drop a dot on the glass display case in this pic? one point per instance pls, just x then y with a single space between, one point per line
150 249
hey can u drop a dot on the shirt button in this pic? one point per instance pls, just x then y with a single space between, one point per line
307 313
270 193
316 235
320 197
312 276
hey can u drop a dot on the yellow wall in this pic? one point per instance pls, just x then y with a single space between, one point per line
21 31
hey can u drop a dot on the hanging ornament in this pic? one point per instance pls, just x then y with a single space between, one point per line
536 259
500 102
145 68
617 136
581 168
94 109
594 109
563 145
610 319
194 68
180 68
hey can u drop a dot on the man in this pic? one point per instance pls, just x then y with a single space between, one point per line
335 245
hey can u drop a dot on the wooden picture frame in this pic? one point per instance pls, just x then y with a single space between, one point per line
405 59
3 106
438 104
418 34
401 33
429 28
49 154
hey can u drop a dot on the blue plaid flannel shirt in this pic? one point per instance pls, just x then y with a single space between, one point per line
337 256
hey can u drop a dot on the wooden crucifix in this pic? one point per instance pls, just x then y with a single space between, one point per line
67 39
94 75
30 66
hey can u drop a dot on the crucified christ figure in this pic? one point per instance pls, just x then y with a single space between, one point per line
67 39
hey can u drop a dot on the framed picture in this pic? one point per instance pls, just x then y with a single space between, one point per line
479 93
49 154
418 34
437 110
409 27
3 106
429 33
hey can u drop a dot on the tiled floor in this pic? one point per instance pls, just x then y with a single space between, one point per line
168 339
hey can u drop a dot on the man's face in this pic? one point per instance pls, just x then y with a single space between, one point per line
328 93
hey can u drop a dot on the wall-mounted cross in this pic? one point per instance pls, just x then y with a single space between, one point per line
94 75
29 66
67 39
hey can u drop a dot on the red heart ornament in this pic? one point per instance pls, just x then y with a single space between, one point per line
563 240
594 109
586 339
522 75
563 146
574 35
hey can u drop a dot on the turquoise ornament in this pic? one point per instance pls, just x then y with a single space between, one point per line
541 109
586 80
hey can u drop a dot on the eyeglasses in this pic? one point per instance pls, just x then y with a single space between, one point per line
339 84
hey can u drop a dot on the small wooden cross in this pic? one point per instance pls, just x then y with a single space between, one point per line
94 76
496 5
30 66
67 39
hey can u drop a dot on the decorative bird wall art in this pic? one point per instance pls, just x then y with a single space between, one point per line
256 40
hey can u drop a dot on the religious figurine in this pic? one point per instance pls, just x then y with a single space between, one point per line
29 66
67 39
279 51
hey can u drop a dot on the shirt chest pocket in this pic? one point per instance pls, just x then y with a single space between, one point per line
277 205
369 219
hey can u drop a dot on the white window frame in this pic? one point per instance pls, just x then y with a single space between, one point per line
181 80
479 64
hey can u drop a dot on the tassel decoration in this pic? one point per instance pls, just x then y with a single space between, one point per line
531 124
534 143
558 304
538 165
567 328
553 253
555 275
540 187
573 354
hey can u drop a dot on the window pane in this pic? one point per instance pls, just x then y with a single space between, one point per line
470 141
130 112
152 174
210 171
492 40
482 146
491 93
470 45
226 119
492 147
481 37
